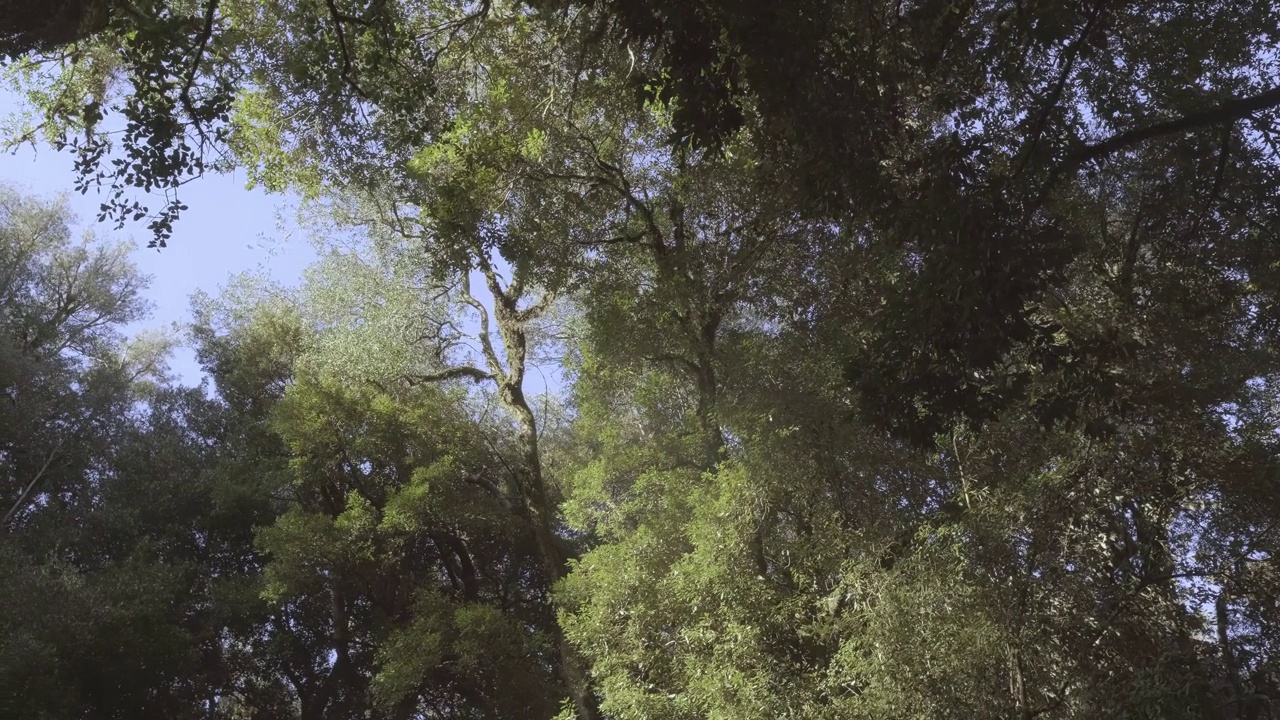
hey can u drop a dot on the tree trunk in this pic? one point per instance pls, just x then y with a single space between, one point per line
529 484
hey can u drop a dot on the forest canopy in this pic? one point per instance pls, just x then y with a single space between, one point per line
915 359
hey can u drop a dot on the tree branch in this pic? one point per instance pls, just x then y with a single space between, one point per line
31 486
486 343
618 240
675 359
189 80
454 373
537 308
347 75
1224 154
1227 112
1055 94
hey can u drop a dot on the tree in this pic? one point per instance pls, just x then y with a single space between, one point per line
923 368
394 479
952 138
113 567
720 532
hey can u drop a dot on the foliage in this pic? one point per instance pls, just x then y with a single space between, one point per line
920 362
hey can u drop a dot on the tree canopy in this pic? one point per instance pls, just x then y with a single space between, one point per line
916 360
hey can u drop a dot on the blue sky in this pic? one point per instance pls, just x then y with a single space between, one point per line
227 230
